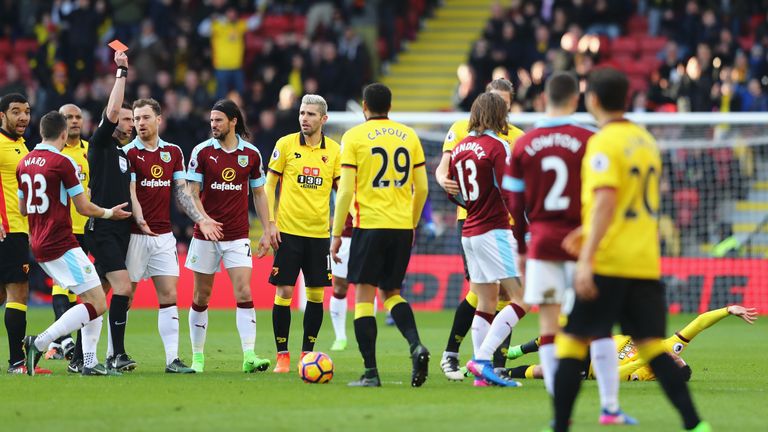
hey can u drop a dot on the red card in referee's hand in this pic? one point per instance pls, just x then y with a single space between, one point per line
118 46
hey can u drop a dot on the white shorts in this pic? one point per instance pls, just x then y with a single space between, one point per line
491 256
151 256
206 256
548 282
340 270
73 271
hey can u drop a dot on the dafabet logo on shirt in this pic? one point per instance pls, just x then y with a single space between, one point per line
156 171
228 174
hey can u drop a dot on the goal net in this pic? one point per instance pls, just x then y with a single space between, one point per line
713 218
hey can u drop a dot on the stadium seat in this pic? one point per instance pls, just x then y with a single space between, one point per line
637 25
5 48
624 46
651 45
26 46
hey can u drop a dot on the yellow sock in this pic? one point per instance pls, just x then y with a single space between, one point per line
393 301
363 310
282 301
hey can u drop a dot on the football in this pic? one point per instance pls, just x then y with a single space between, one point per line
316 368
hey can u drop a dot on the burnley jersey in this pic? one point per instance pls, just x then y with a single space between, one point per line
225 178
544 176
477 165
154 172
47 179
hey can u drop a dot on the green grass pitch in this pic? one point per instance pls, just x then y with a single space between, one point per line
729 361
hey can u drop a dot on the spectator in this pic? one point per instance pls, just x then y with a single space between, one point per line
753 98
148 53
13 82
466 90
126 18
286 120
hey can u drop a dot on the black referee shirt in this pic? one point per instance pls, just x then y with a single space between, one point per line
110 174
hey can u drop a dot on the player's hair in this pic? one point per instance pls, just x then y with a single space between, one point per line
489 112
501 84
313 99
231 110
52 125
561 88
378 98
155 105
126 105
7 100
687 372
610 86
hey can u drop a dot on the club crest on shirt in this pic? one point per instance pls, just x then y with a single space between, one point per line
242 160
165 156
88 269
325 159
123 163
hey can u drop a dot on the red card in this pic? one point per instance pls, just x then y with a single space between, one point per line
118 46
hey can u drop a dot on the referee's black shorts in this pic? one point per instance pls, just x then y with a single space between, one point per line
14 258
379 257
108 243
460 226
308 254
638 305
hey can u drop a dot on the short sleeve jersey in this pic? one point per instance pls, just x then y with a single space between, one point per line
79 154
458 131
384 154
47 180
225 178
12 150
624 156
154 172
546 167
307 174
478 163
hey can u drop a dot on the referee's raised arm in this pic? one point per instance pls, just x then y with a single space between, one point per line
118 90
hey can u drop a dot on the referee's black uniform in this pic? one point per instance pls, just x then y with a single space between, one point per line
110 179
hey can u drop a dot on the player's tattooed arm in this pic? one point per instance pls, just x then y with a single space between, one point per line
188 197
185 201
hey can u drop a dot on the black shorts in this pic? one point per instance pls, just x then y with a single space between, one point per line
14 258
379 257
308 254
81 240
460 225
638 305
108 243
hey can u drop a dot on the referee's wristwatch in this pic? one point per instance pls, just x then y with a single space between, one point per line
122 72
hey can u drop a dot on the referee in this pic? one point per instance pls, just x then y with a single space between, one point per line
106 239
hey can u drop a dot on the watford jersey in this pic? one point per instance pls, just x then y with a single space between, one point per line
459 131
306 176
11 152
624 156
384 154
79 153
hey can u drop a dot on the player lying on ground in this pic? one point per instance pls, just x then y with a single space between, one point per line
632 368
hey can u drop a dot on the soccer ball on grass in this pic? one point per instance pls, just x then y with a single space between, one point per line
316 368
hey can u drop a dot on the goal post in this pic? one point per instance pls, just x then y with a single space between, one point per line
713 218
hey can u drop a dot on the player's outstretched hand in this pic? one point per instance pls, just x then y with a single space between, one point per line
211 229
572 242
450 186
274 236
584 282
2 233
144 227
335 246
118 213
263 245
749 315
121 60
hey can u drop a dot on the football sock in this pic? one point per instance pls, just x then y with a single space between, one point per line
90 339
500 328
60 303
567 384
16 326
313 318
518 371
605 365
118 316
530 346
481 323
72 319
365 333
338 310
281 322
549 362
78 354
246 325
198 325
404 320
168 327
462 322
671 379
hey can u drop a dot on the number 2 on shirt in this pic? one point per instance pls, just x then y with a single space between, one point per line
402 162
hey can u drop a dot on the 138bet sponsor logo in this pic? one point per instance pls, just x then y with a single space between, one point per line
227 175
157 172
310 178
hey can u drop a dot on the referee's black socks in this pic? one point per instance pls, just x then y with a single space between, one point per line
118 315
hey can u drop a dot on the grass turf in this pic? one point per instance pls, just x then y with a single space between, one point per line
729 384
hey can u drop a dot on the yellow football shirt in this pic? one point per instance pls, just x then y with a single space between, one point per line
384 154
11 153
307 174
625 157
79 153
459 131
228 44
